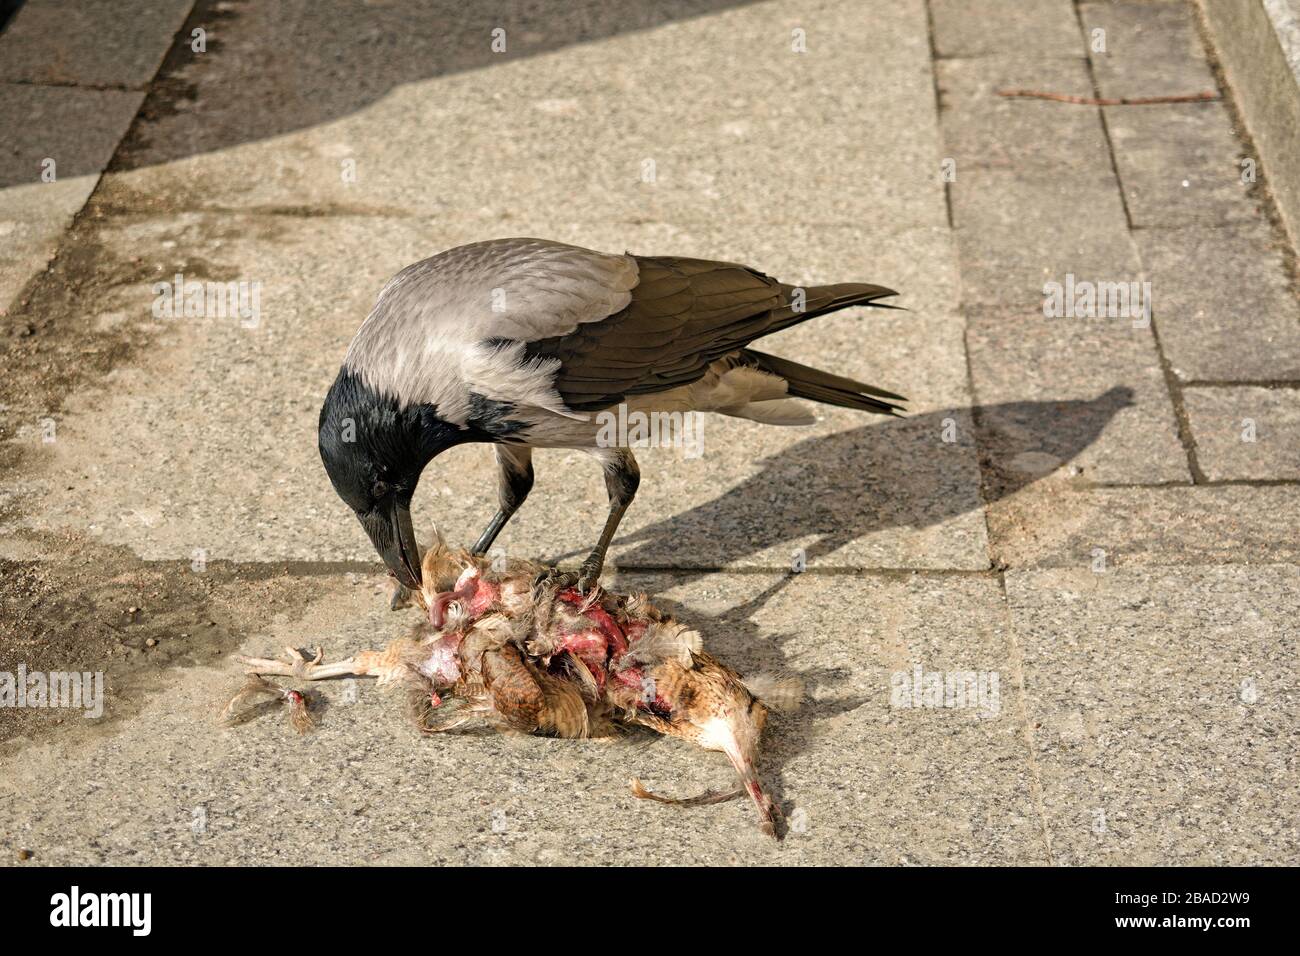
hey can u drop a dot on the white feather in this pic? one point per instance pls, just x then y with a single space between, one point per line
784 411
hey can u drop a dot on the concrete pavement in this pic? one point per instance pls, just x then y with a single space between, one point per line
1098 510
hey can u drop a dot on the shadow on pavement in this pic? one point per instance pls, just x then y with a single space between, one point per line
795 491
1019 443
271 69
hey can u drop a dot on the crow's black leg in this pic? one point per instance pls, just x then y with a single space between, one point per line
515 480
622 476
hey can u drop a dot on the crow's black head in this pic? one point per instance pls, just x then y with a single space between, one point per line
374 451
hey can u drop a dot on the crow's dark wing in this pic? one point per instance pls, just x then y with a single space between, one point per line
683 315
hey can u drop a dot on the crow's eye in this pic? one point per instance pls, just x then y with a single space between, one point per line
380 489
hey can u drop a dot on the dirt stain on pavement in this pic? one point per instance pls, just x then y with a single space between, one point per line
78 604
88 607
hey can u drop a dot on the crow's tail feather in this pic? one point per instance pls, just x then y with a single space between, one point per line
825 387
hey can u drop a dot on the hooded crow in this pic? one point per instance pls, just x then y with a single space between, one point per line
522 342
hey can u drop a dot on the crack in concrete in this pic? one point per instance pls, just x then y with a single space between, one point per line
74 85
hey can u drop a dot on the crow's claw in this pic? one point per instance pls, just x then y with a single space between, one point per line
589 576
551 582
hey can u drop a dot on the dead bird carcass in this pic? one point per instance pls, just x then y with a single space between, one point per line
502 647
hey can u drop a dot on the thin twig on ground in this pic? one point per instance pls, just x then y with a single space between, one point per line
1204 97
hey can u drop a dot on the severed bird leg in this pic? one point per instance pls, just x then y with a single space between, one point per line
707 798
295 665
263 691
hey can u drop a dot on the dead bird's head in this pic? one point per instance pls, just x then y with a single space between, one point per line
453 590
440 568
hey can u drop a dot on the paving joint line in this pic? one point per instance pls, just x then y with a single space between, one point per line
941 58
1017 662
976 413
1182 422
1279 383
938 110
1207 483
323 568
118 210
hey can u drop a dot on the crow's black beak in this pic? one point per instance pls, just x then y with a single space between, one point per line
394 539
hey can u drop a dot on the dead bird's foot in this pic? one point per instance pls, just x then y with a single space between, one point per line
294 665
769 812
255 690
707 798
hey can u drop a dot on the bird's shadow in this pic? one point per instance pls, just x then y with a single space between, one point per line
913 472
1017 443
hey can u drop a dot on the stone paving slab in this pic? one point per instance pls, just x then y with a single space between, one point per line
1165 712
862 781
1180 164
1052 524
1234 317
78 130
1246 433
94 43
211 442
1028 363
1039 140
1035 196
1151 49
968 28
568 130
1015 236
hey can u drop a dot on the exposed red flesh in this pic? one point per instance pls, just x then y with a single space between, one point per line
471 590
602 618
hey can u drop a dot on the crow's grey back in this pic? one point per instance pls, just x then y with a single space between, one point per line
447 315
